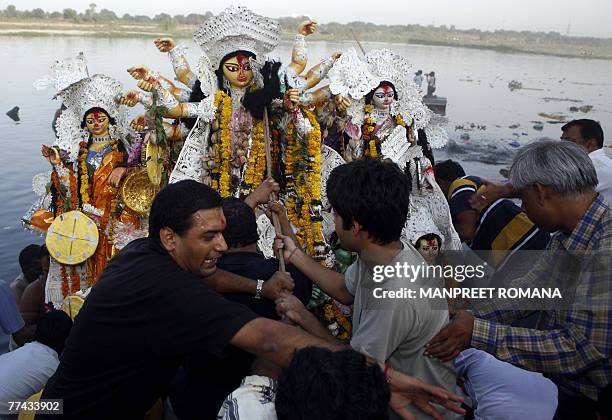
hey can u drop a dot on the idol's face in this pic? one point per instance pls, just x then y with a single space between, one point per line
237 70
383 97
429 250
97 123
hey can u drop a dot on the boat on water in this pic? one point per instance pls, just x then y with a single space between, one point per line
437 104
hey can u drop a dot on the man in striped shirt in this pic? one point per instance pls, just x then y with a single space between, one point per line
497 231
571 345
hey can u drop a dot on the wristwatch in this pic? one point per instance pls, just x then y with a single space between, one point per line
259 291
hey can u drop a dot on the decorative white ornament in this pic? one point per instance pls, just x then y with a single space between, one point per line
391 67
96 91
350 77
39 183
64 72
236 28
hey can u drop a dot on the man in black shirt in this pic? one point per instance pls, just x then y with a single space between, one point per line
243 258
152 307
217 377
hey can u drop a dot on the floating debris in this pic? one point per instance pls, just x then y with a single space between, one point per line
583 108
514 126
470 126
556 117
550 99
514 143
13 114
514 85
504 172
538 126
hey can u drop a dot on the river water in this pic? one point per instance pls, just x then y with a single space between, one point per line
474 81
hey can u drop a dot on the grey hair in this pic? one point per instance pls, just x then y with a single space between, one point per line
561 165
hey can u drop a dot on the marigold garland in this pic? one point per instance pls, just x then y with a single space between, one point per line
73 189
223 99
332 314
256 163
303 175
84 178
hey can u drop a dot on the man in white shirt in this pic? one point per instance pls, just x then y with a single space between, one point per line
25 371
589 134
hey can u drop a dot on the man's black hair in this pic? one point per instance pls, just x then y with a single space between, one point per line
241 225
323 385
111 120
449 170
175 204
375 194
44 251
53 329
589 129
28 255
368 97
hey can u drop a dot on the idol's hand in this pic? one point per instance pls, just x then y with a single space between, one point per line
145 85
115 177
139 123
342 102
336 55
51 154
130 99
164 44
139 72
292 99
307 27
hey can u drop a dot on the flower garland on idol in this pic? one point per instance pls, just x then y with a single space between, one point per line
303 176
256 163
372 142
224 101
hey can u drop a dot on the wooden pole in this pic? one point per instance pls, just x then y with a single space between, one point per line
358 43
275 221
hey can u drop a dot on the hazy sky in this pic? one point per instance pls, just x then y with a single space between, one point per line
585 17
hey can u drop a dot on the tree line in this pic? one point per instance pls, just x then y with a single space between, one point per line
367 31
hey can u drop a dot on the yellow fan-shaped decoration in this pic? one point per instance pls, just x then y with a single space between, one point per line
72 238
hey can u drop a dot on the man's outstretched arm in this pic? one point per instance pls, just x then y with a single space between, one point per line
331 282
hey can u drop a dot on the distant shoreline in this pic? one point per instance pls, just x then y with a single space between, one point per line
114 30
